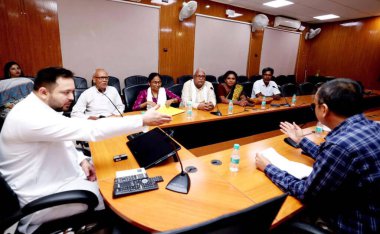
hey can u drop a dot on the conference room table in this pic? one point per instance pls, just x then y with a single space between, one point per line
214 189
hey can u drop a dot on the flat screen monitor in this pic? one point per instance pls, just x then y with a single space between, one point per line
152 147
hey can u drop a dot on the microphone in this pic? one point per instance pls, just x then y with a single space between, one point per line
217 112
181 182
286 100
121 115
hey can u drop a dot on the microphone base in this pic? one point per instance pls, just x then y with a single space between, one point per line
180 183
218 113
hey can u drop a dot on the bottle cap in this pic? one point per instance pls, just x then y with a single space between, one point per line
236 146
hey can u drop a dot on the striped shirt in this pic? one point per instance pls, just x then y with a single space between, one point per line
344 185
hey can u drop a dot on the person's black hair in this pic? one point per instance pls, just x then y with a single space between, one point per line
229 73
152 75
342 96
47 77
7 66
267 69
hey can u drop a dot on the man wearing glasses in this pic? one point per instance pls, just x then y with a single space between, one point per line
98 101
266 87
344 185
199 92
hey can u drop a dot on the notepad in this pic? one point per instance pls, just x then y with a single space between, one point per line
170 110
296 169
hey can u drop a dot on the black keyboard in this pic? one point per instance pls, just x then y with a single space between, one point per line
125 186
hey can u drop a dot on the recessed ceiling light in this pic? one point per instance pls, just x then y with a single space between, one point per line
326 17
207 6
278 3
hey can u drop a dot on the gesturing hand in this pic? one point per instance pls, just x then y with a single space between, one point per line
153 118
292 130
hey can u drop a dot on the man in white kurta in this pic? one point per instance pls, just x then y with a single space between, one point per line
99 100
37 153
266 87
199 92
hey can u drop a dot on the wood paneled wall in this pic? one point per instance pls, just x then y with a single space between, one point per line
30 34
352 52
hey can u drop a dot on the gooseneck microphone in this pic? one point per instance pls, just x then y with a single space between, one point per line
102 92
181 182
286 100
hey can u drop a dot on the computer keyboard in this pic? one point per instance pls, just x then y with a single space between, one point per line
127 185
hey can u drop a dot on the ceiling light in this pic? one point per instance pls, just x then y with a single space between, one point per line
278 3
351 24
207 6
162 2
326 17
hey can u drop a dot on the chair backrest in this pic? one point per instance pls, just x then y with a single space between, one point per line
131 93
9 206
80 82
211 78
280 80
255 78
221 79
115 82
247 87
167 81
215 87
317 85
289 89
176 89
242 79
307 88
291 79
183 79
135 80
254 219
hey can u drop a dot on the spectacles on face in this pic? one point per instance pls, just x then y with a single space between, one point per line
201 76
102 77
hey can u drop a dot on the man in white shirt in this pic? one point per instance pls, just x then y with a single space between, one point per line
37 153
266 87
199 91
99 100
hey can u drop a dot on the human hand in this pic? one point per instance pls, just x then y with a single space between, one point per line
243 102
169 102
93 118
150 103
89 170
292 130
153 118
261 162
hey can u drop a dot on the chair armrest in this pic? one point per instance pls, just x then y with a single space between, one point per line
61 198
305 228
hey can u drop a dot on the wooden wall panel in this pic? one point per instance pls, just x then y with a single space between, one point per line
31 34
352 52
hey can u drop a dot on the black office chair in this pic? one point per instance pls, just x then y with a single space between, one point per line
80 82
307 88
135 80
211 78
255 78
247 87
255 219
280 80
291 79
183 79
176 89
115 82
289 90
167 81
215 87
131 93
10 211
221 79
242 79
319 84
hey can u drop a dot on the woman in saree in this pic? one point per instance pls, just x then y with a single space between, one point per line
230 90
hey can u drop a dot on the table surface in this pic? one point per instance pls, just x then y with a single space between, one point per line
214 189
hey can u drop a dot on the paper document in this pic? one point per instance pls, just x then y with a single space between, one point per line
170 110
296 169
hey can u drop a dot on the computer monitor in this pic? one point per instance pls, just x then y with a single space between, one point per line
152 147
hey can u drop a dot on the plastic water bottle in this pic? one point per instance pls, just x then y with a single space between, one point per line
264 103
235 158
319 129
230 107
294 99
189 110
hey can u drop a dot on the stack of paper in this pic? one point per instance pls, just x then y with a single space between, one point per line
296 169
170 110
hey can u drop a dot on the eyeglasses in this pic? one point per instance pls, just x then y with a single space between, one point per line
201 76
102 77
